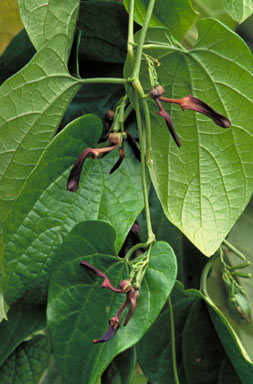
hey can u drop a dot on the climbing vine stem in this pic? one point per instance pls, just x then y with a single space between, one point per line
173 342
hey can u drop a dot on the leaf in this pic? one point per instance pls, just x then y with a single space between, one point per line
77 307
45 211
121 369
45 19
239 10
104 26
27 363
204 185
177 16
198 349
10 22
237 336
32 104
22 322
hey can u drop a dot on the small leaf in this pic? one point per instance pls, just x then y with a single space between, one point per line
177 16
27 363
239 10
45 211
79 308
44 19
10 22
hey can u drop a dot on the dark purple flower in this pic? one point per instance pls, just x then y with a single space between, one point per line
132 294
74 177
121 158
190 102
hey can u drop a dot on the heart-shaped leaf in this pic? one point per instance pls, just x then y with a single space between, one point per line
45 211
78 310
205 185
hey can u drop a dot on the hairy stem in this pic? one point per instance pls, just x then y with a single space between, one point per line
173 342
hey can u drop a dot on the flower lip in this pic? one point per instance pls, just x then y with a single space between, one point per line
74 177
119 161
113 326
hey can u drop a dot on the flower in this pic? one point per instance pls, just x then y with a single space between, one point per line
132 294
190 102
187 102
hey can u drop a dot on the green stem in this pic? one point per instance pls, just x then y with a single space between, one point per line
137 63
151 235
163 46
173 342
205 273
103 80
130 39
234 250
147 129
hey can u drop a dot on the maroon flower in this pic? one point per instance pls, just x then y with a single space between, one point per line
121 158
132 294
187 102
190 102
74 177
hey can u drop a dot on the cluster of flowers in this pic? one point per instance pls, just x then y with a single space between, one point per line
132 294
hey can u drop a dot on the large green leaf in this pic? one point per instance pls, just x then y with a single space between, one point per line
176 15
79 310
204 185
239 10
22 322
45 211
27 363
44 19
32 103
